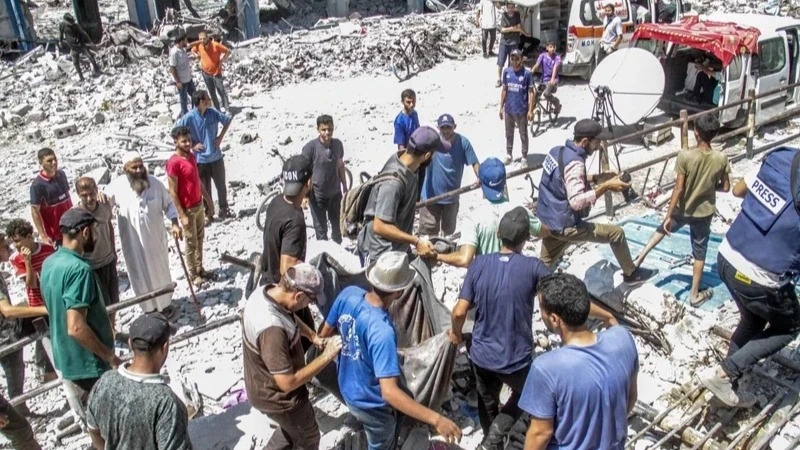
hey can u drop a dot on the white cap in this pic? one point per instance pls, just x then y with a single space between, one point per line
130 156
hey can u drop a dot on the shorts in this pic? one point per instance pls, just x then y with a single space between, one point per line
504 53
109 282
699 232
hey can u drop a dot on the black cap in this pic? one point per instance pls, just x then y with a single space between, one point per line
75 220
150 330
515 226
591 129
296 172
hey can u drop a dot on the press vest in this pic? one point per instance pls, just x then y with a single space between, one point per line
553 208
767 231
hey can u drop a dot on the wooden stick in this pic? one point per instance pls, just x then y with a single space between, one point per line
188 278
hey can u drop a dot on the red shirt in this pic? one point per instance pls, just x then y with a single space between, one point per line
51 195
37 259
190 191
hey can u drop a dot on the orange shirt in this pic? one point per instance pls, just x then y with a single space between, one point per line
210 57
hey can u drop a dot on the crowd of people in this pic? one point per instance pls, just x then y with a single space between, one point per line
70 275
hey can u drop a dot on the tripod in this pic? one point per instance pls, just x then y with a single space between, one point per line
601 112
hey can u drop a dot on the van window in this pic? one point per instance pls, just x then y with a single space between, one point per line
772 56
735 68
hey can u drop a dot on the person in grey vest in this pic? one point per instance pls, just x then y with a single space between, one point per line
758 261
565 199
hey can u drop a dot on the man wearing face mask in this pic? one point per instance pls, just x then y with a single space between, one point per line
566 198
80 331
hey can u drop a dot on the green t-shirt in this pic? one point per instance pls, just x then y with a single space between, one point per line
68 282
703 170
480 227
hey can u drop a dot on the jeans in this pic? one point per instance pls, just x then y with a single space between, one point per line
549 91
324 210
215 86
489 34
76 52
185 93
497 422
699 233
520 122
553 246
770 319
380 425
14 369
297 429
438 217
18 431
40 356
504 53
215 171
193 235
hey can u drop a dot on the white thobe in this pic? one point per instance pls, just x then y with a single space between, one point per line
143 234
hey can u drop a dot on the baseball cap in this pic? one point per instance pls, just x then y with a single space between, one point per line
516 52
492 174
591 129
150 330
515 226
296 172
75 220
426 139
306 278
445 120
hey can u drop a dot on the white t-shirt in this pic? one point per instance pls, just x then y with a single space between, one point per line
611 29
488 15
179 59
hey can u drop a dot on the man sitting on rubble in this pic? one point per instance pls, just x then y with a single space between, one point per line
369 369
699 174
73 36
389 213
133 406
275 372
580 395
501 287
565 200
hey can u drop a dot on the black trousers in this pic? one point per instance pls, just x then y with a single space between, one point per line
297 430
704 88
488 35
770 319
324 210
496 422
215 171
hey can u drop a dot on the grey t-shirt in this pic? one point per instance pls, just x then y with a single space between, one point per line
137 412
103 253
391 201
510 21
10 329
179 59
325 178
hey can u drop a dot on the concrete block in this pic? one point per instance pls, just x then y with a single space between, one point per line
33 135
21 110
99 118
14 119
37 115
65 130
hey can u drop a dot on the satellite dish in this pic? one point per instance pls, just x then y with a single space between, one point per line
635 81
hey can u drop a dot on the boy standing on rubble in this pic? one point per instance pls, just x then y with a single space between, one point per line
50 197
699 174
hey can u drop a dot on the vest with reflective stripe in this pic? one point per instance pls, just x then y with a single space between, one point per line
767 231
553 207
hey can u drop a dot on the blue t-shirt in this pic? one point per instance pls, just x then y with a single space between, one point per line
369 348
204 130
502 287
445 171
404 125
585 391
517 84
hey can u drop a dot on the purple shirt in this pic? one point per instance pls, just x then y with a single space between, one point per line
548 64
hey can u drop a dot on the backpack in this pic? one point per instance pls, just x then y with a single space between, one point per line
351 217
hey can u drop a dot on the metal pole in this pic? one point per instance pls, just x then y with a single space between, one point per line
604 168
684 129
756 420
684 423
661 416
751 122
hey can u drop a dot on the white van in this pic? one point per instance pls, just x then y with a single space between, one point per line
764 65
576 26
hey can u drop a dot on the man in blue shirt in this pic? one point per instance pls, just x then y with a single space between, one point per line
203 122
579 396
368 365
516 103
501 287
444 175
407 120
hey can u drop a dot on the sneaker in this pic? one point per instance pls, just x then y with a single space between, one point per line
639 276
498 84
523 162
507 160
722 388
197 281
226 214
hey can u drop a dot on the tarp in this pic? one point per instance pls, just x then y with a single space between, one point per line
427 358
723 40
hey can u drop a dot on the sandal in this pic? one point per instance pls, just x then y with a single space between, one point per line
198 281
703 296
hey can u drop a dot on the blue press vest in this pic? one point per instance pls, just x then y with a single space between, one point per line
767 231
553 207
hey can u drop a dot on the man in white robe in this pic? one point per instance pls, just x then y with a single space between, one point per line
142 201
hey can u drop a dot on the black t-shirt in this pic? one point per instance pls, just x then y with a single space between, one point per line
510 21
284 234
326 181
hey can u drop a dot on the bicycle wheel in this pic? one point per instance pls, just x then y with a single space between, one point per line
262 210
400 66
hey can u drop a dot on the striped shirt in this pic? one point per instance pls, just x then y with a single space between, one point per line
37 259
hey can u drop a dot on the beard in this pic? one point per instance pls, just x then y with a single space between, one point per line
139 183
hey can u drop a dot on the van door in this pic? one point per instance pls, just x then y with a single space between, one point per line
792 35
734 87
772 72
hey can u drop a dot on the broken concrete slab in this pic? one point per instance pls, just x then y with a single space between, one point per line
214 382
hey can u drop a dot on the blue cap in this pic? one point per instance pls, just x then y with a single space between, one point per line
446 120
492 174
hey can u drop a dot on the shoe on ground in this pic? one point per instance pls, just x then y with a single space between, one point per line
206 275
507 160
723 390
491 53
498 84
209 220
639 276
226 214
557 110
523 163
198 281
